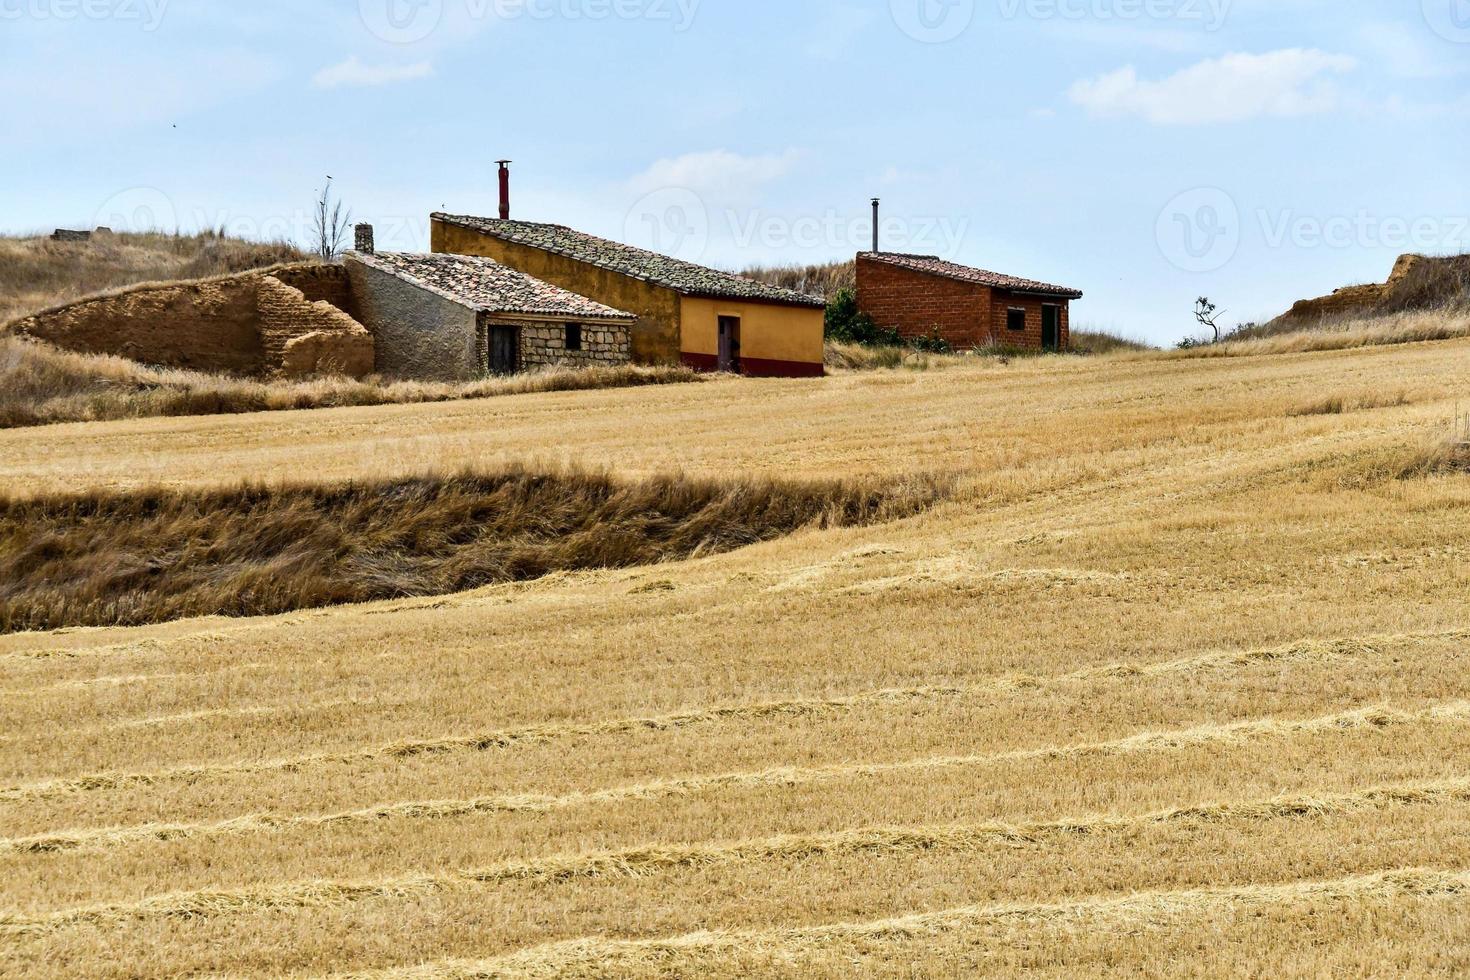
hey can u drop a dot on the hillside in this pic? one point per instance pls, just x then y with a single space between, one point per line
1174 670
36 273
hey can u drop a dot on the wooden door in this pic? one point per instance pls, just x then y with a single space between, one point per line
730 344
1051 327
504 349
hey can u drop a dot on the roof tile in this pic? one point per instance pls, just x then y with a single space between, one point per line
487 285
935 266
661 270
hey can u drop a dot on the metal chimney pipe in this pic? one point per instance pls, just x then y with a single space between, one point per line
875 225
504 189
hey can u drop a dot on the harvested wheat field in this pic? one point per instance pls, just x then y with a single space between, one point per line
1155 666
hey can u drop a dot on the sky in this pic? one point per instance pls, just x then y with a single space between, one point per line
1146 152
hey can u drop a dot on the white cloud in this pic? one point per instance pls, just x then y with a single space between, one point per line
716 172
1235 88
354 72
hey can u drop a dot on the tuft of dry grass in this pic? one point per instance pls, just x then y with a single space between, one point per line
42 385
1341 403
1098 341
825 279
122 559
862 357
1438 458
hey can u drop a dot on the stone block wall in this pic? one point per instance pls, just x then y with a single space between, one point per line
603 343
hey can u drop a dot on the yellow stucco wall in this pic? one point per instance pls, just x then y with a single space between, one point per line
656 335
767 331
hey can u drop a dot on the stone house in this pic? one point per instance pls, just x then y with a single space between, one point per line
704 318
460 317
921 295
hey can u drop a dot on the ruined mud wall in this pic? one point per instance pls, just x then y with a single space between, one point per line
302 337
241 324
320 283
206 326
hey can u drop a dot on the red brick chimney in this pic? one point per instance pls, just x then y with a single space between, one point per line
504 189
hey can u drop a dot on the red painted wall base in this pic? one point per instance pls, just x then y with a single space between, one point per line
757 367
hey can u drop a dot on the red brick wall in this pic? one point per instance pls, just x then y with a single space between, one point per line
966 314
1031 336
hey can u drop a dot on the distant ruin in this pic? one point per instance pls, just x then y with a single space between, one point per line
1416 282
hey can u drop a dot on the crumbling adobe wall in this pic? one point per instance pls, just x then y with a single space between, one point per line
320 283
240 324
302 337
208 325
311 354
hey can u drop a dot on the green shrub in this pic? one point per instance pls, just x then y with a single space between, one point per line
847 325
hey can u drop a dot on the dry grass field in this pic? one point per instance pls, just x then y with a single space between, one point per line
1173 683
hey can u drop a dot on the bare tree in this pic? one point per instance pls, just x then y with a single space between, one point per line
331 224
1205 312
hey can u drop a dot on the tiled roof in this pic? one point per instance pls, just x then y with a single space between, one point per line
487 285
935 266
661 270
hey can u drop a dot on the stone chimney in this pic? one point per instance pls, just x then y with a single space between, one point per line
365 239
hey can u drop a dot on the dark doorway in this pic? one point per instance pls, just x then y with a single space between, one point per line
504 350
730 344
1051 328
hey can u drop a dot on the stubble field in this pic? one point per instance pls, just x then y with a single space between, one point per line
1173 683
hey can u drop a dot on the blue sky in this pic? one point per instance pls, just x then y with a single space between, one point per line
1144 151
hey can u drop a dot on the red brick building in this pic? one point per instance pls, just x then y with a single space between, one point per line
919 294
